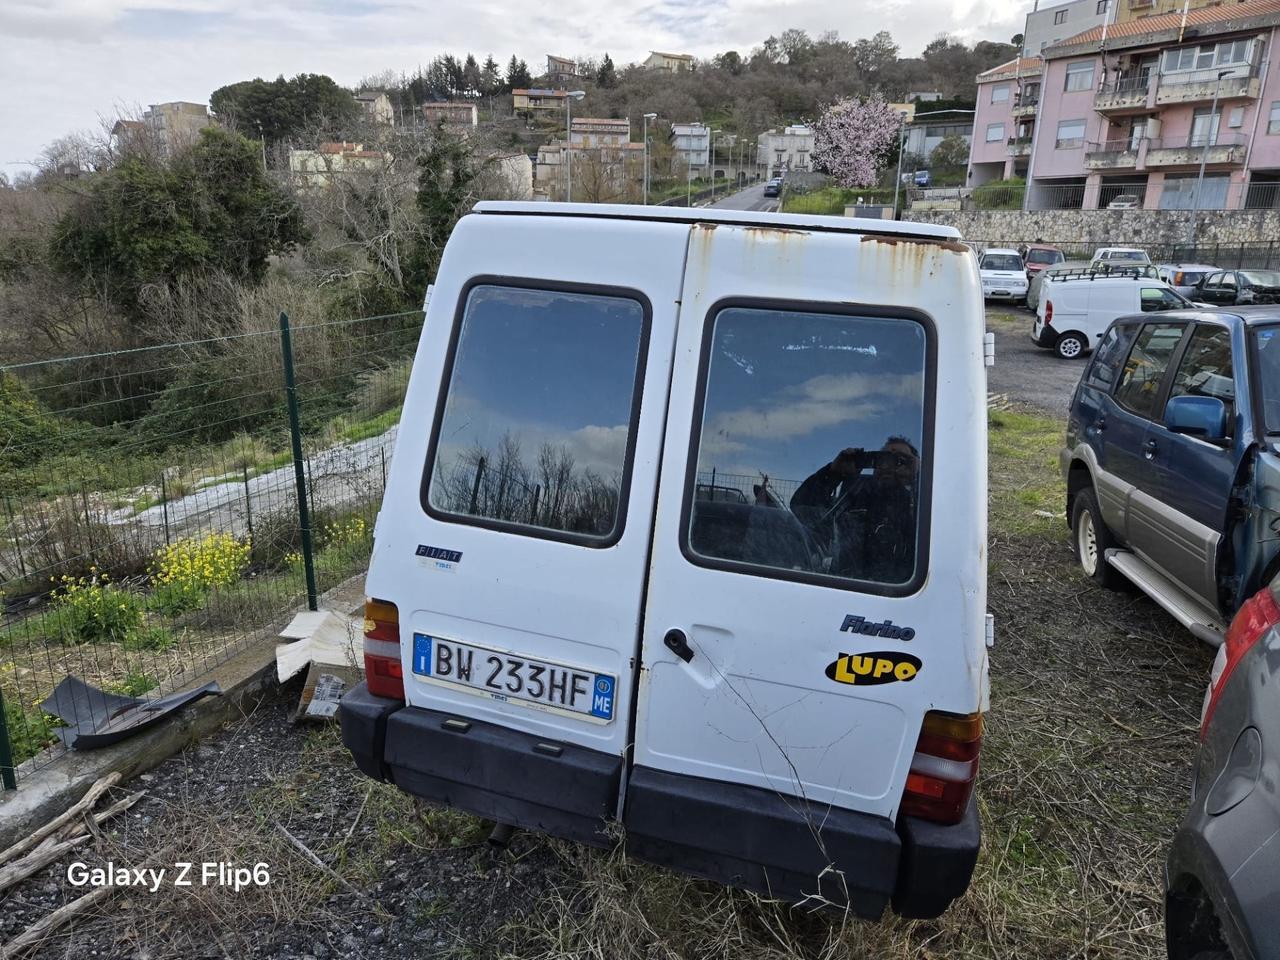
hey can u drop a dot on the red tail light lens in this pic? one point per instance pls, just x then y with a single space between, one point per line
944 767
382 671
1048 311
1258 615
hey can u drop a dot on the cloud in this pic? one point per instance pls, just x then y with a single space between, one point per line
65 62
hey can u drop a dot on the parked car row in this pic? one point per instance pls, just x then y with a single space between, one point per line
1173 485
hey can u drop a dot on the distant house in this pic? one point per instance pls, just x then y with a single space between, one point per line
319 168
515 172
929 128
375 107
691 143
924 96
538 98
590 132
457 117
129 136
671 62
176 124
561 69
781 151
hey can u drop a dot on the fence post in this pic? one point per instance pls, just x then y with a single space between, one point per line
248 501
17 540
164 506
7 777
299 477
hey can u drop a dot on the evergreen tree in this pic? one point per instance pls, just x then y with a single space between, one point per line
470 77
607 76
518 77
490 77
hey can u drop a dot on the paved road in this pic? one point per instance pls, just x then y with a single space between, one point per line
1025 372
752 198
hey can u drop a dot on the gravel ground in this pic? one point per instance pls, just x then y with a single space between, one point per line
1023 371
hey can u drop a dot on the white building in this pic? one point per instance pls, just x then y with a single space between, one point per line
1051 23
375 107
670 62
692 145
779 151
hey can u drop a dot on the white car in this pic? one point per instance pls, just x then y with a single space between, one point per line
574 625
1004 275
1076 307
1108 258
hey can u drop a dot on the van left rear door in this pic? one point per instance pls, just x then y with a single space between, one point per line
515 531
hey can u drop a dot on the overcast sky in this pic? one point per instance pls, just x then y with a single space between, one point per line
65 63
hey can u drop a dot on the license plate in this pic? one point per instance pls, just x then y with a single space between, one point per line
525 681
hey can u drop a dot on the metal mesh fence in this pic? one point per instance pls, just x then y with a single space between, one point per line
151 522
1262 255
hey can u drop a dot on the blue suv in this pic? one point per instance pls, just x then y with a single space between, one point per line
1173 480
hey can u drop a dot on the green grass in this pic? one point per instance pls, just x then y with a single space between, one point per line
1024 474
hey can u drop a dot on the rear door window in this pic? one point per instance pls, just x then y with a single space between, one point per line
538 416
1144 370
1109 356
1155 299
819 420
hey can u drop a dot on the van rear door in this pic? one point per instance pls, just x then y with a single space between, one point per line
514 534
810 597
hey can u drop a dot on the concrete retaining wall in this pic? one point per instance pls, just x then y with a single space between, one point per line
1102 227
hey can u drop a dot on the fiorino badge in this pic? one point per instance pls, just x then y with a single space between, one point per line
870 669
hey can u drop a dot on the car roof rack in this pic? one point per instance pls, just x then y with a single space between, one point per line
1095 273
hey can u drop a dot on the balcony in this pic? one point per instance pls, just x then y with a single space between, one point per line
1199 86
1024 107
1226 150
1125 94
1019 146
1112 154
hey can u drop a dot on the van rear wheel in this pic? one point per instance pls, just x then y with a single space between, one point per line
1069 346
1091 540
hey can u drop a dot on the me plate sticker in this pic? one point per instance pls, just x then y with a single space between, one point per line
532 683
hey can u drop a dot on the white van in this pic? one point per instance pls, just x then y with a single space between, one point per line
1077 306
684 531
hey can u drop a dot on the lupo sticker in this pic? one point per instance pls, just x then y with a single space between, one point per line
870 669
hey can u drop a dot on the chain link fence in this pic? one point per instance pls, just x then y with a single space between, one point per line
164 505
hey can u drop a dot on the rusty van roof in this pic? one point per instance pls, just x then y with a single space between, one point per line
750 218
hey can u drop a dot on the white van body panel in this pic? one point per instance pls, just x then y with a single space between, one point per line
744 708
559 602
1088 305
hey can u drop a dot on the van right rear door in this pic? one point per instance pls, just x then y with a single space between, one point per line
817 580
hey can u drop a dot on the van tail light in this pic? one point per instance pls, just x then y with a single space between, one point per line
382 670
1048 311
1258 614
944 767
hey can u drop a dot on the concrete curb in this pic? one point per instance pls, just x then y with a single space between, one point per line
47 792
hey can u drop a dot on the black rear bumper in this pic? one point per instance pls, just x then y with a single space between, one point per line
742 836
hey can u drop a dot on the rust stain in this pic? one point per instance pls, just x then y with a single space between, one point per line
772 230
704 225
955 246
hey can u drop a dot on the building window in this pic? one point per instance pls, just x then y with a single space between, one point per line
1273 120
1080 76
1000 94
995 132
1207 56
1236 117
1070 134
1060 17
1102 7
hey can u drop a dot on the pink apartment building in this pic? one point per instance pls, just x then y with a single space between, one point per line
1126 114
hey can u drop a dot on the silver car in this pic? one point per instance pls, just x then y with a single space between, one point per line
1183 277
1222 878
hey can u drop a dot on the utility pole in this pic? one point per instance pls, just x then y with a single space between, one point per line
568 156
1210 138
647 118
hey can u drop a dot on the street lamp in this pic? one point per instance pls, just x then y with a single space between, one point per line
711 154
571 96
1210 138
902 147
647 118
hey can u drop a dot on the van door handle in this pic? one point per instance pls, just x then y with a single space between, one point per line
678 643
1149 449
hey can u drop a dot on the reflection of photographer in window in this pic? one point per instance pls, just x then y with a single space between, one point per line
865 522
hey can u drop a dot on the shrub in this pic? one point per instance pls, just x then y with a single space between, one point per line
185 572
93 610
1000 194
29 733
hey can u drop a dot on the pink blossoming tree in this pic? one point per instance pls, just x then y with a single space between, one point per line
853 138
